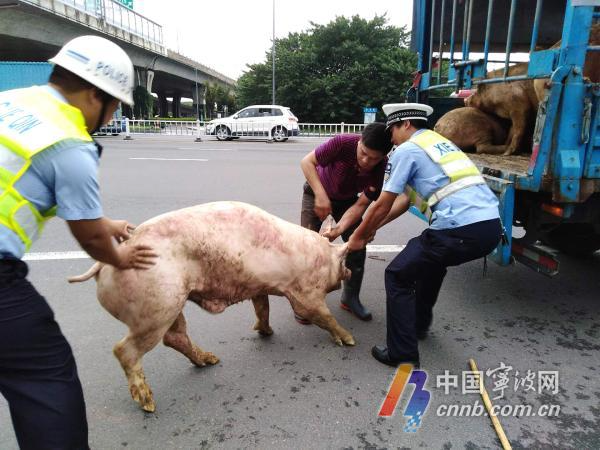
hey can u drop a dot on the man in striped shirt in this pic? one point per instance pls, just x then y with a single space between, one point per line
344 175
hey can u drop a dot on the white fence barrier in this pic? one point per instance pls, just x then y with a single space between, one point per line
228 130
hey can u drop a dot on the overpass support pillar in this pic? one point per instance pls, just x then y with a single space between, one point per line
163 105
177 105
145 78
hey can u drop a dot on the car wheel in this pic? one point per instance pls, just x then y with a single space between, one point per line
279 134
223 133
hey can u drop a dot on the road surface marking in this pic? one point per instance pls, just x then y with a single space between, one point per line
47 256
172 159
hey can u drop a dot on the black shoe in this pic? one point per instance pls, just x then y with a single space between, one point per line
381 354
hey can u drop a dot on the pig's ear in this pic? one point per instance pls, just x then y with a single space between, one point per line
342 250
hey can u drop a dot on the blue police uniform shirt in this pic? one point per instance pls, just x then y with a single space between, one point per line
65 175
409 164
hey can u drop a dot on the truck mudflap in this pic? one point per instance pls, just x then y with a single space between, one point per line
536 256
505 191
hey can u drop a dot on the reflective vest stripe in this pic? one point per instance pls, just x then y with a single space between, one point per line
452 188
418 202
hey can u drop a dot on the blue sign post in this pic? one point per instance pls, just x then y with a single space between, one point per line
369 114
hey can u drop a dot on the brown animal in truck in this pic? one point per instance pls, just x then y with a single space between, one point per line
515 101
215 255
472 130
591 68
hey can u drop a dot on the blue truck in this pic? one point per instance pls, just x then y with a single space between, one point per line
549 199
19 74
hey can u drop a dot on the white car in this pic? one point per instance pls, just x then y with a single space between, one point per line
256 120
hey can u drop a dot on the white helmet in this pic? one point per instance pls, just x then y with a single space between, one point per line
101 63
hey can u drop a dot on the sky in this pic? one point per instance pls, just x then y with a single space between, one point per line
228 34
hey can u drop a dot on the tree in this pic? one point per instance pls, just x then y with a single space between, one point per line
221 96
143 103
330 72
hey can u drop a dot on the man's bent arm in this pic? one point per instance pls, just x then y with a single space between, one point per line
375 215
400 206
96 237
353 214
309 168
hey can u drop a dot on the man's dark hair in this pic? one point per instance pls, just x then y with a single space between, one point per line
68 80
420 124
72 83
376 137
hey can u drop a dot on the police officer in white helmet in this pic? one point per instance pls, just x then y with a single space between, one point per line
48 166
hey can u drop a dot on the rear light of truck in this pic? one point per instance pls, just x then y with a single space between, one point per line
555 210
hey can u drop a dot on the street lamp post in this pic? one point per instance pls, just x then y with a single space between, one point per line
197 94
273 53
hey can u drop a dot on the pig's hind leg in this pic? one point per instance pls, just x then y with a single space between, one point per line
177 338
314 309
261 308
129 351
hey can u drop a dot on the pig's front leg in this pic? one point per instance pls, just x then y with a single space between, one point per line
261 308
313 307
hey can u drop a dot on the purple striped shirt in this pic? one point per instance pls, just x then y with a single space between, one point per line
339 171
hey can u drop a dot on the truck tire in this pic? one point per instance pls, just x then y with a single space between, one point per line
575 239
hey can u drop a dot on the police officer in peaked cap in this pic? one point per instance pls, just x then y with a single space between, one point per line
430 173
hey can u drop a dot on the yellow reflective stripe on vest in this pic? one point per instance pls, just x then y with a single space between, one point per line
418 202
454 163
31 120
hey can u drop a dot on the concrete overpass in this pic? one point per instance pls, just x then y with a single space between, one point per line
34 30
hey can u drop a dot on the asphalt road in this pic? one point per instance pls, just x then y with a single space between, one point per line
297 389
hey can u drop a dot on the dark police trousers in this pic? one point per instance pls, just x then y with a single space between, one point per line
414 278
38 376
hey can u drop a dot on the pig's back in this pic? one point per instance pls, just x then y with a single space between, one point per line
229 228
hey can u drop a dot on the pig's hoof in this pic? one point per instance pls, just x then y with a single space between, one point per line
338 341
209 358
263 330
349 341
149 407
143 395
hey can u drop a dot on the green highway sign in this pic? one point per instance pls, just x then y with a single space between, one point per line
128 3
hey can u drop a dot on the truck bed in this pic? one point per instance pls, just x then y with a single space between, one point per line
514 164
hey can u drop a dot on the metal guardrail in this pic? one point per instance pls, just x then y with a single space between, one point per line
198 128
110 17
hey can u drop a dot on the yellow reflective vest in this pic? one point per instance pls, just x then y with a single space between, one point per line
31 120
454 163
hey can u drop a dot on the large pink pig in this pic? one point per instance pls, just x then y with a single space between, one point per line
215 255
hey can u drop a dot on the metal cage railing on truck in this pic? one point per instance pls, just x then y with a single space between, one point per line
459 41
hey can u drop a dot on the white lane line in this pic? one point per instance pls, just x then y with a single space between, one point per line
200 149
47 256
385 248
172 159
